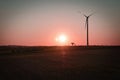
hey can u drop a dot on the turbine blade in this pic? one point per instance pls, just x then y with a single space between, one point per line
84 15
85 24
79 12
91 14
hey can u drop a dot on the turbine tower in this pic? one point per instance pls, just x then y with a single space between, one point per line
87 25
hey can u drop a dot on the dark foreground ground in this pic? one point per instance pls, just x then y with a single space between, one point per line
59 63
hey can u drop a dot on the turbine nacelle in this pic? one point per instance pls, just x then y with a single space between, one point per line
88 15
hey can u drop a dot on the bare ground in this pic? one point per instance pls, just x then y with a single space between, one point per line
59 63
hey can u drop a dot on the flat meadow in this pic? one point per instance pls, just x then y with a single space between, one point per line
59 63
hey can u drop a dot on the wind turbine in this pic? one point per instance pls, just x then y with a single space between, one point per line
87 25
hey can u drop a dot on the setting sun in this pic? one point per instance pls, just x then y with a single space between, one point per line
61 38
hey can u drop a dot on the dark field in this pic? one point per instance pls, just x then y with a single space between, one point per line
59 63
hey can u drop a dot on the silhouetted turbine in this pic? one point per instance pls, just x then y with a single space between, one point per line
87 26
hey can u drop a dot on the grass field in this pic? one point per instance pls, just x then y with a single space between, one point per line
60 63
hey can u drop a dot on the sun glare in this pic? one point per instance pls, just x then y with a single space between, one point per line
61 38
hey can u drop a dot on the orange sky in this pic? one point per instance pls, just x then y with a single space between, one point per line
41 24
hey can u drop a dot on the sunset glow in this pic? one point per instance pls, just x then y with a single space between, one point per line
62 39
57 22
